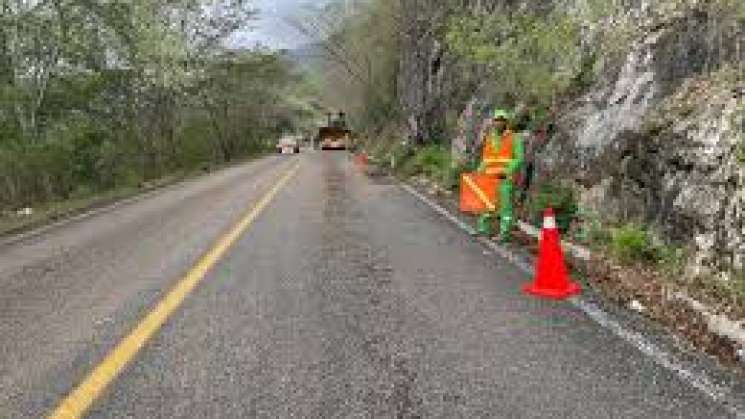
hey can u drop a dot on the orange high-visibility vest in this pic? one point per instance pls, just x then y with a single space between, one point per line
496 161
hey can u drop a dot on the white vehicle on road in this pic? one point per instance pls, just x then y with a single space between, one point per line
288 145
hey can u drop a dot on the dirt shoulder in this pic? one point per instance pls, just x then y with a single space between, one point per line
16 223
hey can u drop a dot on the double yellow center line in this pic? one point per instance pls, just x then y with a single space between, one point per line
85 394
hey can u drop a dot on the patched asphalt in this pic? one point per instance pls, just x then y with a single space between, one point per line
346 298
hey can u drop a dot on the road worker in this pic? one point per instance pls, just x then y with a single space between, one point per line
502 156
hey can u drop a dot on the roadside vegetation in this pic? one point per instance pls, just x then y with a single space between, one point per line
535 56
359 42
538 55
99 96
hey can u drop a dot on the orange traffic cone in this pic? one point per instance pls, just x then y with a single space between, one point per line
361 160
551 279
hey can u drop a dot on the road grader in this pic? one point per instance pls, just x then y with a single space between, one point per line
335 135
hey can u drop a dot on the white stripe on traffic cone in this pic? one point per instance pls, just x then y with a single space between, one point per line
549 220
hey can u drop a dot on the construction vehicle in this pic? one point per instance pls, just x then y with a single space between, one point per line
335 135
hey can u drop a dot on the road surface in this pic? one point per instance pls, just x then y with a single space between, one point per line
343 297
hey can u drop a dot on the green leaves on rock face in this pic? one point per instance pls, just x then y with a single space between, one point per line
738 124
633 243
430 161
560 198
527 55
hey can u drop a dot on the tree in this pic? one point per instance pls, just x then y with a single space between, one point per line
360 42
95 94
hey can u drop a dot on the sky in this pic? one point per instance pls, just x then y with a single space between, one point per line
271 28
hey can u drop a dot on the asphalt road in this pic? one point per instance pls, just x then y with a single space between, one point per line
346 297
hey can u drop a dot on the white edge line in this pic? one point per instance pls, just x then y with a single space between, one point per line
666 360
442 211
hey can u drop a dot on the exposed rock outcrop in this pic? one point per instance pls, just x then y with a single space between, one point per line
659 143
658 136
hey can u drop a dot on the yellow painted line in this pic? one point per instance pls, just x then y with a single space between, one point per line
82 397
479 193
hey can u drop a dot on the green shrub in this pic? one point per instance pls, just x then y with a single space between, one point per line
633 243
588 229
740 151
401 154
737 284
406 161
671 259
598 235
561 198
451 175
430 161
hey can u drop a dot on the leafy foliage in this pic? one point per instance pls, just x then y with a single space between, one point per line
360 43
430 161
97 95
533 56
632 243
738 122
556 196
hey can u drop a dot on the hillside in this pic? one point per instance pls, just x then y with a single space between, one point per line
646 101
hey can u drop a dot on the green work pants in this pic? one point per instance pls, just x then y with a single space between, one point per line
506 216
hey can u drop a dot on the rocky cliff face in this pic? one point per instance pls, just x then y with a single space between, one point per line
657 138
432 84
679 171
422 71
